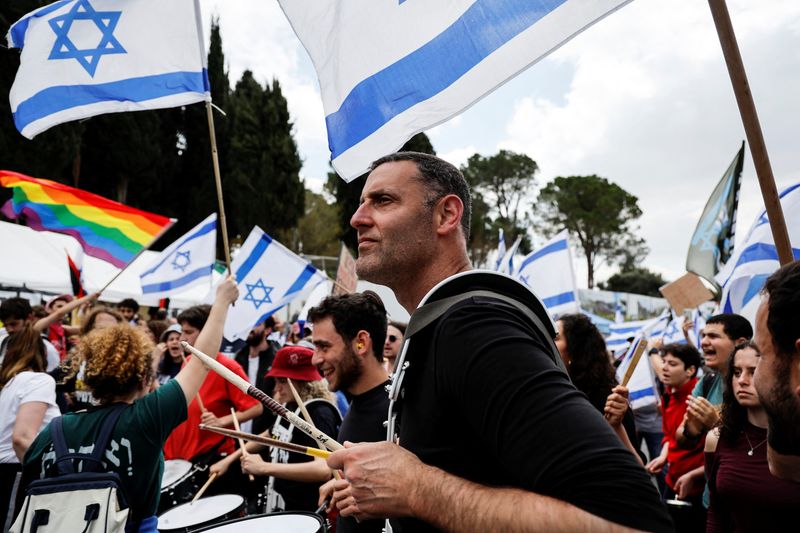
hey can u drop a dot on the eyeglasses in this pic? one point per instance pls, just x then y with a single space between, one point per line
393 338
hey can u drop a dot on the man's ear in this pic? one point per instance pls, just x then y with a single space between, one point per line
362 343
448 214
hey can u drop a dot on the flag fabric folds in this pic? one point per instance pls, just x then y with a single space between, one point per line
501 251
82 58
743 276
108 230
712 242
389 70
76 274
506 265
269 277
548 272
186 263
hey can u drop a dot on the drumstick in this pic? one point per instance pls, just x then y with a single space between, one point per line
245 453
200 492
288 446
639 349
299 401
242 384
199 399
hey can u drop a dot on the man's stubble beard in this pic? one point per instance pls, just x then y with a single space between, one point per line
782 407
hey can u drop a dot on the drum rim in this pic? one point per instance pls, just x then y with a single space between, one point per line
318 518
204 523
181 477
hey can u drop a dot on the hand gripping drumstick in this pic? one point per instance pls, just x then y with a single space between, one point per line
245 453
313 452
242 384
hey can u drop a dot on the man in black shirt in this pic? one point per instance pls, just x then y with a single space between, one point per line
349 333
492 434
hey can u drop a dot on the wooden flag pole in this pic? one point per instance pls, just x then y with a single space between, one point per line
218 180
752 128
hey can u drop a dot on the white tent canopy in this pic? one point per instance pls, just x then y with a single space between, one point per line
36 261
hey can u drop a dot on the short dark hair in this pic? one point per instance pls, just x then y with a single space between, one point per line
269 323
439 177
130 303
15 309
687 353
195 316
733 325
783 307
350 313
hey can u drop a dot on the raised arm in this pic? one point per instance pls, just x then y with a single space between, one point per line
194 372
44 323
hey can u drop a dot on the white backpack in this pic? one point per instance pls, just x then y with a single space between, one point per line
82 497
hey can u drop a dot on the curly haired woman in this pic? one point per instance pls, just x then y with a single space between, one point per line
118 369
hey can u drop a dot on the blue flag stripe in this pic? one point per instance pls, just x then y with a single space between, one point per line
301 280
180 282
258 250
644 393
558 299
391 91
59 98
208 228
557 246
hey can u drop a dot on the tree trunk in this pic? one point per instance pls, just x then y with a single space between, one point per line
590 270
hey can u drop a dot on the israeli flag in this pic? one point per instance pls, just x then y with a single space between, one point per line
744 275
391 69
269 277
82 58
501 251
507 262
548 272
621 332
186 263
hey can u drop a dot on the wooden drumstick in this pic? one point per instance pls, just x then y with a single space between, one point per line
639 349
288 446
299 401
200 492
199 399
245 453
244 386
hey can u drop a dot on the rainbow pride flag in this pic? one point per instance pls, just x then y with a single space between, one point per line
106 229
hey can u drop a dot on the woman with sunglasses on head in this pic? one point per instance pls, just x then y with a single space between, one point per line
744 495
294 479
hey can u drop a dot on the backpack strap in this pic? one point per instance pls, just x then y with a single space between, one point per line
66 461
431 312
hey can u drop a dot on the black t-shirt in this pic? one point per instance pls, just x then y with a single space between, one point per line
297 495
483 400
364 423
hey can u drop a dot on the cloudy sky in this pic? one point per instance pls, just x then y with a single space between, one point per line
642 98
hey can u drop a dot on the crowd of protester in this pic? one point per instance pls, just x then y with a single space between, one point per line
721 440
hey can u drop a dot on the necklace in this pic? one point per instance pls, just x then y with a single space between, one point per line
750 452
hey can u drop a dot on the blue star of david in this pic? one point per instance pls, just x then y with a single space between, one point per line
526 280
253 288
181 260
106 22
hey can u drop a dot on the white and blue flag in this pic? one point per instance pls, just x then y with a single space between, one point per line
548 272
82 58
507 262
391 69
743 276
501 251
269 277
620 333
186 263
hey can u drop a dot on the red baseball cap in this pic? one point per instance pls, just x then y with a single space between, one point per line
294 362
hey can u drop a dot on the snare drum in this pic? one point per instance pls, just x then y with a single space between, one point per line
272 523
201 513
180 483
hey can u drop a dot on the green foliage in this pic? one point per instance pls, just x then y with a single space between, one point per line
348 194
636 280
599 214
317 232
501 184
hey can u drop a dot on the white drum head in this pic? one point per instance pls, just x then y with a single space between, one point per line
199 512
174 470
278 523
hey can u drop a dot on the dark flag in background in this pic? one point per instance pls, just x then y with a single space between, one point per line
712 242
75 278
